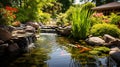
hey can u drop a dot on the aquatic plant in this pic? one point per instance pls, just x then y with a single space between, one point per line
81 22
101 29
99 50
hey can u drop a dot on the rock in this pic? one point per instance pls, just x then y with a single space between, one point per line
1 42
30 29
95 41
108 38
21 32
33 24
114 50
3 48
13 47
113 43
64 31
115 54
5 35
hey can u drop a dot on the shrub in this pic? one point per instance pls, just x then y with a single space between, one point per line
114 19
101 29
44 17
7 15
98 18
61 19
65 18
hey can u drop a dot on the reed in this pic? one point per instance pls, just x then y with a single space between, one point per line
81 22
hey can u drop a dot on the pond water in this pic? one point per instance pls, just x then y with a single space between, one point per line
53 51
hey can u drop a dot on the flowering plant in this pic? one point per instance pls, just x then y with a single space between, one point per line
7 15
99 18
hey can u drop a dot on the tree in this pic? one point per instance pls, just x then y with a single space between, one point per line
31 10
65 4
5 2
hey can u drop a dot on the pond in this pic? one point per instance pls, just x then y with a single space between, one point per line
54 51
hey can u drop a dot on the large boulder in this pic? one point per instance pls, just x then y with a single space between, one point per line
95 41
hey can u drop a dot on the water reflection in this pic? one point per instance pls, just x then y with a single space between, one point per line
53 51
82 59
36 57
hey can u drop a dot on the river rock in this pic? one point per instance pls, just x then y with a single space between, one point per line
115 43
33 24
64 31
13 47
30 29
111 41
115 54
95 41
108 38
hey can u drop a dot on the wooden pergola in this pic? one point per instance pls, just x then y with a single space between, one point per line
113 7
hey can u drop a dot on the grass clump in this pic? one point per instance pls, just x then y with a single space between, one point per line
81 21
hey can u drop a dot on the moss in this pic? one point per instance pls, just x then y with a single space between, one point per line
99 50
94 52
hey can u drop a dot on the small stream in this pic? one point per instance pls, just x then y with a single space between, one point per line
52 51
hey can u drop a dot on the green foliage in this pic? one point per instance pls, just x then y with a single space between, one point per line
88 6
69 12
5 2
99 50
81 21
22 15
101 29
114 18
61 19
45 17
7 15
65 4
97 18
53 8
31 10
65 18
